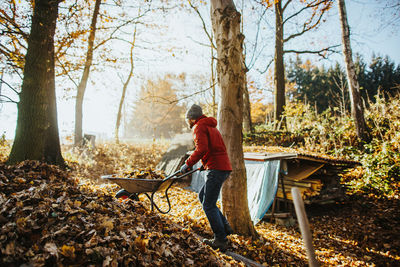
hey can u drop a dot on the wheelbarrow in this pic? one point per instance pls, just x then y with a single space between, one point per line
132 187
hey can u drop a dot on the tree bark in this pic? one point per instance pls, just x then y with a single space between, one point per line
82 84
36 135
279 74
121 102
357 108
213 82
231 74
247 124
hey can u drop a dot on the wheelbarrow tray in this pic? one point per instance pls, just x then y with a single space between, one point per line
133 185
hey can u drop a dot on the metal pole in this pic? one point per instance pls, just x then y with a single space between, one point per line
304 227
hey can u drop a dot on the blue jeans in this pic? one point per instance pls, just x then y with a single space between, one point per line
208 196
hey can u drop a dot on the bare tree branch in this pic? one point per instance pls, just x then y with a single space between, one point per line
9 100
286 5
300 10
204 24
66 71
306 28
197 42
321 52
169 102
251 63
10 20
111 37
266 68
9 86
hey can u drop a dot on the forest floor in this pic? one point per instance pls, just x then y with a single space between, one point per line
50 216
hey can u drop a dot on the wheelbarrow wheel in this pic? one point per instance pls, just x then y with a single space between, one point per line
123 194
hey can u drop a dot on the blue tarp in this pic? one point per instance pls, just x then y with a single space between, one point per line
262 184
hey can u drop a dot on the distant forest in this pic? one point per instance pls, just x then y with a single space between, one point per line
327 87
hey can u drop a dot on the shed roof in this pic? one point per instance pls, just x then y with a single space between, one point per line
262 156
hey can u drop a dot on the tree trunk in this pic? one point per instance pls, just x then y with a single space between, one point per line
82 84
213 82
121 102
36 135
231 75
357 108
279 75
247 124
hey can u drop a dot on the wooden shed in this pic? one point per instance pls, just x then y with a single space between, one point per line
317 177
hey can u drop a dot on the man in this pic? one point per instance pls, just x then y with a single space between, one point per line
211 150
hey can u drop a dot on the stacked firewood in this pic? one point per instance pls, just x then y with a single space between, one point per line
307 187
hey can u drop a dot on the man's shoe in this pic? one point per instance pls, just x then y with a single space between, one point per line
228 229
222 245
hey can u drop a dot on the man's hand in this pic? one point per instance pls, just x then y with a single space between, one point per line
184 168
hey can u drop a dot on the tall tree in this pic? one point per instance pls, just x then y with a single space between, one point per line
231 74
357 107
125 87
279 74
156 113
36 136
247 124
85 76
311 12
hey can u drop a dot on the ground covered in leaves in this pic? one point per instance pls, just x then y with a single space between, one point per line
48 218
360 232
52 217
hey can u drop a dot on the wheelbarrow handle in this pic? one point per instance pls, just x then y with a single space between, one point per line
187 173
180 176
172 175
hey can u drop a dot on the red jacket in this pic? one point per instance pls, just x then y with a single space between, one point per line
210 148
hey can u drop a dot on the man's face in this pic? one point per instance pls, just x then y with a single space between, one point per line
190 122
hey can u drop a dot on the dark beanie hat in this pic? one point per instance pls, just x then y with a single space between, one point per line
194 112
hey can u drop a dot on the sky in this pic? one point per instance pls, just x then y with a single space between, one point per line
101 98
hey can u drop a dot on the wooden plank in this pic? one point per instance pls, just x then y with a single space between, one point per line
304 227
278 215
302 170
268 156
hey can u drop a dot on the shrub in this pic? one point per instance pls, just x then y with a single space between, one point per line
334 134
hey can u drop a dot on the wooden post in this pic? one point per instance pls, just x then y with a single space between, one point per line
304 227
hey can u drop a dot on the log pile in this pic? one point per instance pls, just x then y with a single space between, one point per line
307 187
317 178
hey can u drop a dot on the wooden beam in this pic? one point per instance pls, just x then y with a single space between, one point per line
304 227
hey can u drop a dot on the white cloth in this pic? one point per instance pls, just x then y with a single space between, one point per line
262 184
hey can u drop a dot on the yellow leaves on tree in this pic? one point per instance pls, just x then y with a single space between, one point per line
157 113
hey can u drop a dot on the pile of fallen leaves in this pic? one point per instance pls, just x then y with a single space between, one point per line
359 232
48 218
147 173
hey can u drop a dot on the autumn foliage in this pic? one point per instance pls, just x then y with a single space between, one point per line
51 217
48 219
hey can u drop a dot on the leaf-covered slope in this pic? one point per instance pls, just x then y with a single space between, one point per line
48 218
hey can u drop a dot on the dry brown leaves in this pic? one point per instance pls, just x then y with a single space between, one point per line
147 173
48 218
357 233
